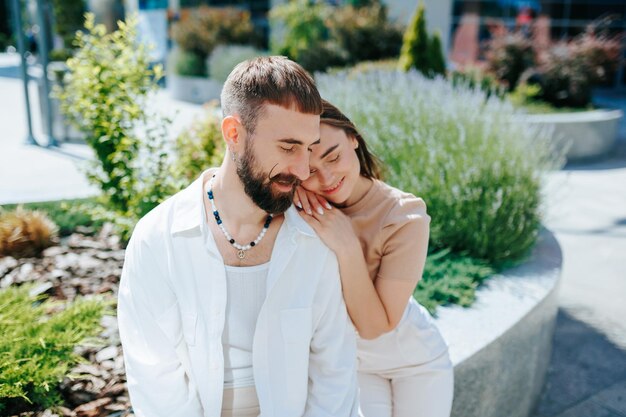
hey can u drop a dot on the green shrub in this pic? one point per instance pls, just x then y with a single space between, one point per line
419 51
475 78
435 52
319 36
450 279
225 57
322 56
365 33
69 17
301 25
200 146
106 95
185 63
478 170
37 346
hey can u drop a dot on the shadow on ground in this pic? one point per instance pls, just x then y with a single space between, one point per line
587 374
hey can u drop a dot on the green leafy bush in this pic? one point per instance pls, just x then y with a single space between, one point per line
508 56
69 17
479 171
37 346
319 36
200 146
225 57
450 278
106 94
186 63
474 77
300 26
419 50
365 33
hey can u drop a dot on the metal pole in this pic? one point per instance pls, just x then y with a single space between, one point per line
43 52
19 34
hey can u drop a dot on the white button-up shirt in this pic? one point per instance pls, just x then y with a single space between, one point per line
171 313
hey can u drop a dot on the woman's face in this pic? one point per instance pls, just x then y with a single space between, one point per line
334 165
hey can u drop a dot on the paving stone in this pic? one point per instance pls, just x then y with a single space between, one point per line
589 409
613 397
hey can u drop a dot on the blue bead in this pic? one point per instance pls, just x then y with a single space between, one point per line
218 221
215 213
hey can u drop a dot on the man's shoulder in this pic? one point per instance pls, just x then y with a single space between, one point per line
158 222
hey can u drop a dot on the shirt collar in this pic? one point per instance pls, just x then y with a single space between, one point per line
188 211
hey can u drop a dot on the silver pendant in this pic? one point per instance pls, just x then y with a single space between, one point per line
241 254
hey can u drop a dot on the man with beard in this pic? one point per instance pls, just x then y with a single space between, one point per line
229 304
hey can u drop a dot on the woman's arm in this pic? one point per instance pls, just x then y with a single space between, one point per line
375 307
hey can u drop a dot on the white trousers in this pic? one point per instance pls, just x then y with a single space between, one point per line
240 402
424 390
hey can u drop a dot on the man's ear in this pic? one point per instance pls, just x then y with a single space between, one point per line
232 132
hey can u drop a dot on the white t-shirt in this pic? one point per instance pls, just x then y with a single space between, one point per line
245 289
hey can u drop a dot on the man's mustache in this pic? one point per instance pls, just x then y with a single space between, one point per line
286 179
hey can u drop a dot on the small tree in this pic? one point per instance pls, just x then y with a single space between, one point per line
106 95
419 51
435 51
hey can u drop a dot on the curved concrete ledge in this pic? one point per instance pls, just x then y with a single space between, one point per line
501 345
587 134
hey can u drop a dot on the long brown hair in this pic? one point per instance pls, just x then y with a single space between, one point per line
370 164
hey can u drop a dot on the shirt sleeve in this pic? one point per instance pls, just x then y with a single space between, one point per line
333 386
405 241
150 330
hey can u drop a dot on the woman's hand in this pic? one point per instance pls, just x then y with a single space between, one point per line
310 202
335 230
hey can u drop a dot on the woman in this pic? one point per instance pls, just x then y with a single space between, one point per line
380 237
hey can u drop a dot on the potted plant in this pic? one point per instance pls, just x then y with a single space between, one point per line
554 87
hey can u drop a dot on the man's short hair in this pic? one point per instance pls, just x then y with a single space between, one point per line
268 79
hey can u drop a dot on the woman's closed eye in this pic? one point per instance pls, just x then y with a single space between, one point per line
288 150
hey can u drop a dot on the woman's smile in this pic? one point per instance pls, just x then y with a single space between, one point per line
334 188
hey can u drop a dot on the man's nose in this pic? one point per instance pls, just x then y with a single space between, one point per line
300 166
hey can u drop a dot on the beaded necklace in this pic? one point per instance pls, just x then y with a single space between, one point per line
241 249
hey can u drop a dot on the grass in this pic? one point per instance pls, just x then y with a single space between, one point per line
67 214
37 345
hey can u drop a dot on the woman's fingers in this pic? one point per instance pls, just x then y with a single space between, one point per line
303 199
323 202
316 206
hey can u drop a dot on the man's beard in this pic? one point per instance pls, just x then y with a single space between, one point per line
258 185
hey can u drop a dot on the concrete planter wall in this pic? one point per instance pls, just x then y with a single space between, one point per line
197 90
587 134
501 346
